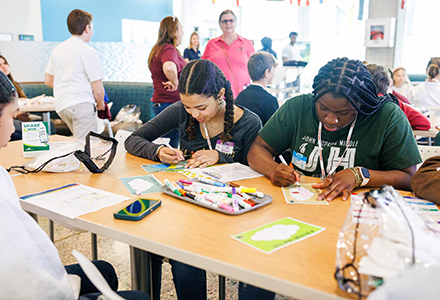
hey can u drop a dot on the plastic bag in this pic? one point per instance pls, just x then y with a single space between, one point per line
65 164
382 235
130 113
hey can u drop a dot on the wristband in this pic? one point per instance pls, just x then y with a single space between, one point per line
357 175
156 153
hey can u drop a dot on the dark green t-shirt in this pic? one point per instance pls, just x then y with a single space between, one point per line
382 141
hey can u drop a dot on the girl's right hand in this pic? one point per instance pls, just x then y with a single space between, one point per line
169 156
283 175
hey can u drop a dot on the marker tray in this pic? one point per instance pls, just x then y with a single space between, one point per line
260 202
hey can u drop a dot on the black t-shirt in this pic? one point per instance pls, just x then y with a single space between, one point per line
258 100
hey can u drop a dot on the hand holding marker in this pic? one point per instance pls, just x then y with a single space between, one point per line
175 151
291 165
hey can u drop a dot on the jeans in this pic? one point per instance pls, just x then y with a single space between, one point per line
190 282
173 134
90 292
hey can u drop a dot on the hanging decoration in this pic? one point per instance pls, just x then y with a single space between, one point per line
303 2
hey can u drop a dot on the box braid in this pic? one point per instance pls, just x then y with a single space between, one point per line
350 79
202 77
8 93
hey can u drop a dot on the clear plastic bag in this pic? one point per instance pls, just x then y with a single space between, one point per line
130 113
65 164
382 235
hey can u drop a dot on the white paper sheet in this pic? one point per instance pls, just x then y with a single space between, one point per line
223 173
73 200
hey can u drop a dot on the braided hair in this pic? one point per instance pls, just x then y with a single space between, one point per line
8 93
202 77
350 79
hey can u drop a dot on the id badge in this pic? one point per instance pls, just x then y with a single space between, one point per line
226 148
299 160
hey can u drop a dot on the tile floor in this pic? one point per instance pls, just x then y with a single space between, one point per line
118 255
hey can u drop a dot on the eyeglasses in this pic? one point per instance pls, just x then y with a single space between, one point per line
232 21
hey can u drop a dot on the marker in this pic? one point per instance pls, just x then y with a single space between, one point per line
235 200
248 199
172 187
211 182
282 159
201 199
175 151
179 188
220 202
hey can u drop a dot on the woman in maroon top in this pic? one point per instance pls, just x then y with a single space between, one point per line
166 63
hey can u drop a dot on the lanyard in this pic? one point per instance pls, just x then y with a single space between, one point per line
321 160
207 136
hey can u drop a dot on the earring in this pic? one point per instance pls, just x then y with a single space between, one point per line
221 102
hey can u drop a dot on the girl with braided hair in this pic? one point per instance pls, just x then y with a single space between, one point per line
343 132
212 129
206 117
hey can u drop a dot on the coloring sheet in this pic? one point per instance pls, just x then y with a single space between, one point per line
276 235
139 185
302 193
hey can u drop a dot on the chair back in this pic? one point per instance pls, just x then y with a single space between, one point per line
428 151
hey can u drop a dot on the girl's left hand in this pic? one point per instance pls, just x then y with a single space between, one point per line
203 158
342 182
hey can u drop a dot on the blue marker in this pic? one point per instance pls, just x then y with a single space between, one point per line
211 182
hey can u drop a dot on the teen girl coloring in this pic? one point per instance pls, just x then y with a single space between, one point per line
343 133
212 129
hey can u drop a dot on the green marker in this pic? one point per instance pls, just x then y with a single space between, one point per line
172 187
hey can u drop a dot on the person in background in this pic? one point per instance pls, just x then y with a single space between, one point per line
402 85
266 42
343 133
208 121
261 68
192 52
382 79
75 74
31 267
291 51
166 63
230 52
427 94
21 117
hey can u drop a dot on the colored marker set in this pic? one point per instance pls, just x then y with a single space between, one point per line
217 195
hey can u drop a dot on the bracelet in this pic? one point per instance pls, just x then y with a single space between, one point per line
357 176
156 153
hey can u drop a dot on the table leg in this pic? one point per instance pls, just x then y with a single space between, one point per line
141 278
46 118
51 231
221 287
94 246
34 216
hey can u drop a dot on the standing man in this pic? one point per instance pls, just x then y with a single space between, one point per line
74 72
291 51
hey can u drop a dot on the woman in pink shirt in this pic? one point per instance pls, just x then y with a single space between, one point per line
231 52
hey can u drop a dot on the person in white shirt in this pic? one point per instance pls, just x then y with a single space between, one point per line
30 265
291 51
427 94
74 72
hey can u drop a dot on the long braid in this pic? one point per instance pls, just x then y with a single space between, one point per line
350 79
202 77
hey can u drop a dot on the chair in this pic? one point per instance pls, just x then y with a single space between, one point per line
121 136
278 81
428 151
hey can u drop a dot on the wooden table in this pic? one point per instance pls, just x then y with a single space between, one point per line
200 237
44 109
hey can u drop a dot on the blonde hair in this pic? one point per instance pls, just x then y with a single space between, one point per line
401 69
192 34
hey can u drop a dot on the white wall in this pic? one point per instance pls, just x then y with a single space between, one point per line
21 17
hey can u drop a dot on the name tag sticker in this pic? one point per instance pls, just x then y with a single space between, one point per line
226 148
299 160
